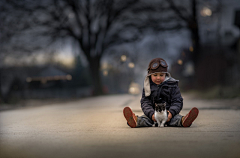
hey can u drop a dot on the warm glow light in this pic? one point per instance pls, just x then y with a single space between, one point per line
206 11
191 49
131 65
134 88
180 62
105 72
104 66
123 58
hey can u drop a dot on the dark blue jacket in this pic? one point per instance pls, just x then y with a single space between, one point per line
169 92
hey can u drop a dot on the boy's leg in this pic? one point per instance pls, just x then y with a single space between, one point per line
144 121
184 121
130 117
176 121
190 117
136 121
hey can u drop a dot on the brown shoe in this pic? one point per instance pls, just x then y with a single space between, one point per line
130 117
190 117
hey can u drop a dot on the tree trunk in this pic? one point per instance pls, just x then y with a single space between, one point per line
193 25
94 65
94 68
194 29
195 42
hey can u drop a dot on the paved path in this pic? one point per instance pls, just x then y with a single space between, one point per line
95 127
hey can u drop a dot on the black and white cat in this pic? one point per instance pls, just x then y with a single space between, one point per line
160 114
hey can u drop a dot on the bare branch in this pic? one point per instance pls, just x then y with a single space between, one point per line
76 8
177 10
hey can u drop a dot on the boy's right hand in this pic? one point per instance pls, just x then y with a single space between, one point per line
153 118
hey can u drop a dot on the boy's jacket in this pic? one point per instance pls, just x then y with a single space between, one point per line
169 92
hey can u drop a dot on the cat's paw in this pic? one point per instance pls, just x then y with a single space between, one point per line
155 124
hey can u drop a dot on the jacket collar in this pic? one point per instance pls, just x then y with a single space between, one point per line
148 83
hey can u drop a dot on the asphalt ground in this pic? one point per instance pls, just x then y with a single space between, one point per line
95 127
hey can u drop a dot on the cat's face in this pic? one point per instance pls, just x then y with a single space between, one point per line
159 107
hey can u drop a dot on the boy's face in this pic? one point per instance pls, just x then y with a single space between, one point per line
158 77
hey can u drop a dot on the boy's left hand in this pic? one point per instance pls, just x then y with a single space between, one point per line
169 116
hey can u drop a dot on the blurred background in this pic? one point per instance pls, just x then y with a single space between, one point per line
68 49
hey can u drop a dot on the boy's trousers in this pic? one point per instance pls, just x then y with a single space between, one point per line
144 121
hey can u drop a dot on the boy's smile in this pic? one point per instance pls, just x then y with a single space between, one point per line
158 77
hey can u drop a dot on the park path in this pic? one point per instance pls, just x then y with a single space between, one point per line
95 127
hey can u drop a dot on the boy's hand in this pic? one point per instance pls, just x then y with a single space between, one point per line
153 118
169 116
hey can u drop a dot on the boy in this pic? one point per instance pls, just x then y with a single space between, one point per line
159 84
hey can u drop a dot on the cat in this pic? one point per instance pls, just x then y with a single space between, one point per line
160 114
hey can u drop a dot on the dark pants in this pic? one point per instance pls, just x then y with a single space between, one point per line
144 121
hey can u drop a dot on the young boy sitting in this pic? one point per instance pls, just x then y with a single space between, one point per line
160 81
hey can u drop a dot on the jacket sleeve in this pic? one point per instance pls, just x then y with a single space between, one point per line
146 105
176 102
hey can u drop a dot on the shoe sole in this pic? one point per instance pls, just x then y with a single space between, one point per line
128 114
192 115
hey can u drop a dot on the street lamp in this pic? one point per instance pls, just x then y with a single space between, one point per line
105 72
131 65
206 11
123 58
180 62
191 49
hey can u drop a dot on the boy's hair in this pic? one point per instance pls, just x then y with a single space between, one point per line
157 65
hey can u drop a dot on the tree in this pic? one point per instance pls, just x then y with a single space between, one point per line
191 20
96 25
